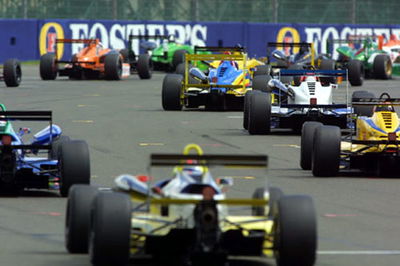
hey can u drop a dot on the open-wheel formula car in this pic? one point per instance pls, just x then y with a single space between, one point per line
187 219
363 57
372 148
223 88
164 56
93 62
12 73
288 106
49 160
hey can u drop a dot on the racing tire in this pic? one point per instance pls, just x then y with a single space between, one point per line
12 73
180 69
307 142
74 164
382 67
171 92
246 107
177 58
55 146
262 70
125 55
48 67
356 72
260 114
113 66
260 83
363 110
77 220
109 241
144 66
327 64
275 194
295 240
326 151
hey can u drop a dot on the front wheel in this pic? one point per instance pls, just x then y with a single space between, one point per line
382 67
144 66
171 92
356 72
12 73
260 114
307 142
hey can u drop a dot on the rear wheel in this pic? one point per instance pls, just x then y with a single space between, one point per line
260 114
48 66
326 151
262 70
307 141
144 66
113 66
327 64
362 110
295 240
274 195
246 108
382 67
260 83
74 164
12 73
356 72
171 92
55 146
178 58
109 242
77 222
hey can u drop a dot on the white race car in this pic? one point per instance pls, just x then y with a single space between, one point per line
189 219
280 105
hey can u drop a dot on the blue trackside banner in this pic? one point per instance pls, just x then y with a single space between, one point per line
28 39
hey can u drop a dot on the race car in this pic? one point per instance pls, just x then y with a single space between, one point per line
276 105
165 56
49 160
12 73
229 78
392 48
188 219
373 148
363 57
92 62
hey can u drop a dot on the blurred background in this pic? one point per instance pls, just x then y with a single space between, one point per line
274 11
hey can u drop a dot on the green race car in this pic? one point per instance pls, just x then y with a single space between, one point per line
363 58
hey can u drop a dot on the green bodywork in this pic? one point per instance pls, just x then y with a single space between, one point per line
165 52
5 125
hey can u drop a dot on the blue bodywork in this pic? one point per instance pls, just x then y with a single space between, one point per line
226 73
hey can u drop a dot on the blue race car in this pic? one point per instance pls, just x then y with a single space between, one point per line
63 162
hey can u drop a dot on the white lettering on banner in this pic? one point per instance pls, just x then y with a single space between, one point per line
329 34
396 32
118 35
382 31
363 31
79 31
115 41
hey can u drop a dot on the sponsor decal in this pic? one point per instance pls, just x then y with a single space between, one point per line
47 39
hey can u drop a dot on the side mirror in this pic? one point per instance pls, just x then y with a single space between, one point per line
278 54
198 74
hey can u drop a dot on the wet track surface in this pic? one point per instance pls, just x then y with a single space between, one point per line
123 122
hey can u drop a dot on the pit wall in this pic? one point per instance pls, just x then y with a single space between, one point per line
27 39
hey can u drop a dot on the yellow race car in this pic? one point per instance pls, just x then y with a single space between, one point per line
372 146
188 219
221 87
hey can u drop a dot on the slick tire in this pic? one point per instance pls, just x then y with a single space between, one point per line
125 55
274 195
113 66
326 151
77 222
74 164
48 67
260 83
307 142
109 242
262 70
295 238
55 146
260 114
327 64
171 92
12 73
363 110
144 66
178 58
356 72
246 108
382 67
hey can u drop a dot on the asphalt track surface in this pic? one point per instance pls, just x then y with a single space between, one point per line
123 122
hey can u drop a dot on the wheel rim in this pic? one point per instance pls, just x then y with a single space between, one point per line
18 74
388 68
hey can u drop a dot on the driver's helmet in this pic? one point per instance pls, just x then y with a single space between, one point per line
195 172
171 38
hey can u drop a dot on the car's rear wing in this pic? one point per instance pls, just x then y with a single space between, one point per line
29 116
309 72
290 45
85 41
148 37
219 49
353 39
375 101
257 161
